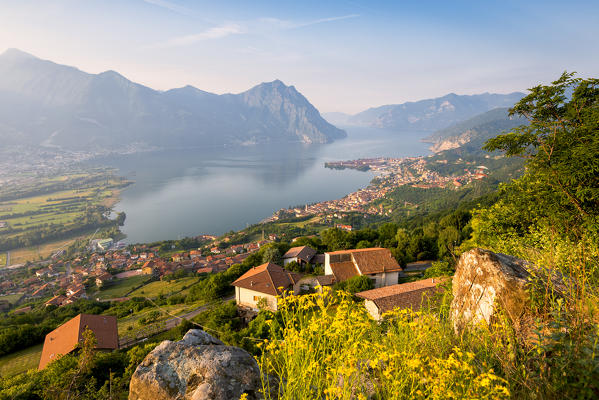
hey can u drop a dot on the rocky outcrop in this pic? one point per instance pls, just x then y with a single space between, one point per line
486 283
195 368
449 144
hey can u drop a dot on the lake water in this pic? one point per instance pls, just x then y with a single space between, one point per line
187 192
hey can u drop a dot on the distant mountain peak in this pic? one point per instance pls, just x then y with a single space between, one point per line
432 114
16 52
77 110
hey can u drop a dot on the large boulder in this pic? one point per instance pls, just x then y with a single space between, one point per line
197 367
486 283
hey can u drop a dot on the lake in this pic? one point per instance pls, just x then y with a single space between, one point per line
187 192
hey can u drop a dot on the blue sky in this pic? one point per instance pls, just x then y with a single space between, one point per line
342 55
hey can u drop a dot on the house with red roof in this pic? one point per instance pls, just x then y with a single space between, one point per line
410 295
66 337
56 301
376 263
266 281
302 255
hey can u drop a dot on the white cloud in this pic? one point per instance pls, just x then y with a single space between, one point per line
286 24
323 20
228 29
169 6
216 32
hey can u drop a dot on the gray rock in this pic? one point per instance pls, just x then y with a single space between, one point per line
196 368
195 337
486 283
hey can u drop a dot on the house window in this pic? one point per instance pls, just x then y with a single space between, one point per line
373 280
256 298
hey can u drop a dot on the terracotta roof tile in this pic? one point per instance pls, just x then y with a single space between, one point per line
65 338
403 295
370 261
267 278
302 252
344 270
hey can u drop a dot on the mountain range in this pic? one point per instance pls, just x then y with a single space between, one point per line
427 115
473 133
45 103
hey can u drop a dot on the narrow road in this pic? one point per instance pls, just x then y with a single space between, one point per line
175 321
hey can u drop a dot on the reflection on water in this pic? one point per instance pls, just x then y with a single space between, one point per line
191 191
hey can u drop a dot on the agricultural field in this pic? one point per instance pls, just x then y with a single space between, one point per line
20 361
12 298
120 287
55 209
2 259
302 224
42 251
155 289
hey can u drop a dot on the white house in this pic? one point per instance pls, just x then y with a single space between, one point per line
376 263
266 281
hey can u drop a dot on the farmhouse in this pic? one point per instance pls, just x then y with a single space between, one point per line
66 337
313 284
266 281
302 255
103 279
56 301
376 263
405 295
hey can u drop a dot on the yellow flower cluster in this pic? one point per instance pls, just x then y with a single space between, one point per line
329 347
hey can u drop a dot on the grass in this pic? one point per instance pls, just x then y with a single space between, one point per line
302 224
33 253
55 211
20 361
120 288
12 298
2 259
154 289
131 320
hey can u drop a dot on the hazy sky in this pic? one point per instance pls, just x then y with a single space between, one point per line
342 55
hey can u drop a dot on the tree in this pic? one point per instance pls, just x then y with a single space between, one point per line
335 239
272 254
66 382
439 268
561 146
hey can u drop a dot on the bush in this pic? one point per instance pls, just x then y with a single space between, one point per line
355 284
439 268
333 349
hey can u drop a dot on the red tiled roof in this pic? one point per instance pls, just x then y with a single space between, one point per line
404 295
56 300
302 252
65 338
372 260
344 270
267 278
